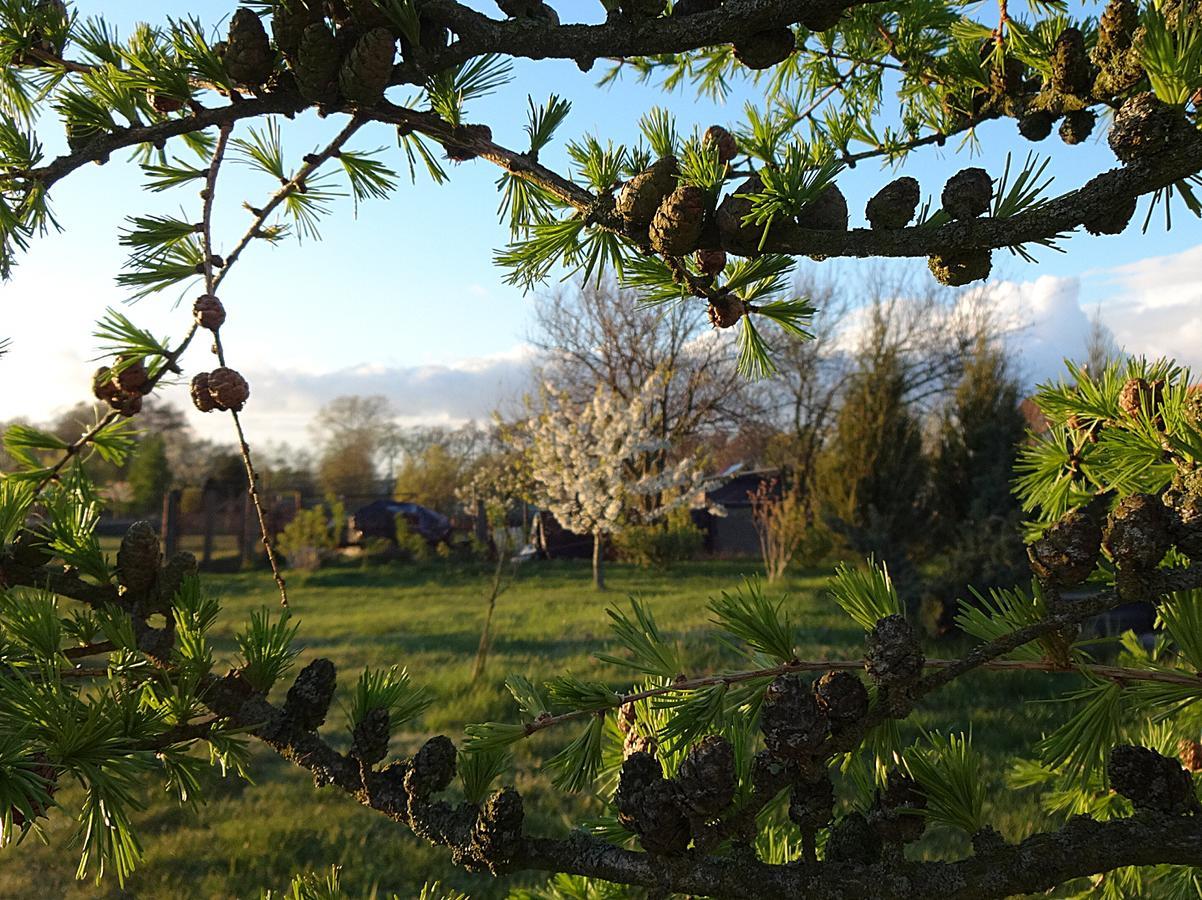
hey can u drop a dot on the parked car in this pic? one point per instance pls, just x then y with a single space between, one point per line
378 520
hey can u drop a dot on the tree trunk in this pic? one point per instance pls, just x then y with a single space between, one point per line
599 560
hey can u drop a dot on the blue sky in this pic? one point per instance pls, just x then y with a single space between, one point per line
404 300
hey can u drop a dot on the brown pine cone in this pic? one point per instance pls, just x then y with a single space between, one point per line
164 103
893 655
1190 754
1112 221
133 378
1068 551
842 696
310 696
368 67
639 772
1037 125
1137 532
1077 126
641 196
104 388
705 781
228 389
663 827
1139 397
790 718
462 152
1070 64
717 136
319 58
726 309
893 206
677 225
765 49
138 558
1145 126
896 816
201 398
968 193
369 740
208 312
711 262
826 212
497 834
1151 781
853 840
962 267
248 57
433 767
812 802
738 237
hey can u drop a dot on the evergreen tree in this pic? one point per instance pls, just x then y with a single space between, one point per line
149 474
872 474
977 520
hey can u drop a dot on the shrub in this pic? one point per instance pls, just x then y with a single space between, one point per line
410 545
675 540
311 538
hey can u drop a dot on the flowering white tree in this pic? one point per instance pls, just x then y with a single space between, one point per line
592 465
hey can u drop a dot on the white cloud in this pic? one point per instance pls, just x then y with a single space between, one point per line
284 402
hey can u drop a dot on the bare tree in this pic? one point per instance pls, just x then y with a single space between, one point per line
1101 349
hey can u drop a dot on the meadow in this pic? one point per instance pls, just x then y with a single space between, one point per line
247 837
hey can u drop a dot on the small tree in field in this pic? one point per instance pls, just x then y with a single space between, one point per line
768 776
589 465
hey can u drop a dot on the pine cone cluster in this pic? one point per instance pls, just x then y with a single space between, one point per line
138 559
310 695
222 389
1068 551
1115 53
893 656
648 805
765 49
894 205
1151 781
122 390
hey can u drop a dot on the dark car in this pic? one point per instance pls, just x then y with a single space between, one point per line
378 520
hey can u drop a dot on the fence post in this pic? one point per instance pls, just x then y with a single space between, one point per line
170 524
209 504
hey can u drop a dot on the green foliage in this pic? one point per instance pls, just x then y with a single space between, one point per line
659 545
390 689
312 536
649 652
749 616
949 772
865 593
266 648
478 770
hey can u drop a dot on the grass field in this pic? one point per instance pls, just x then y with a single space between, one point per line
428 618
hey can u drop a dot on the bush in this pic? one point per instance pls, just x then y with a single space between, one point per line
311 538
410 545
661 543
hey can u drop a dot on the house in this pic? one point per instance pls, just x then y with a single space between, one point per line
734 534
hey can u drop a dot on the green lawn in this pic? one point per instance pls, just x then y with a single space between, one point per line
428 619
